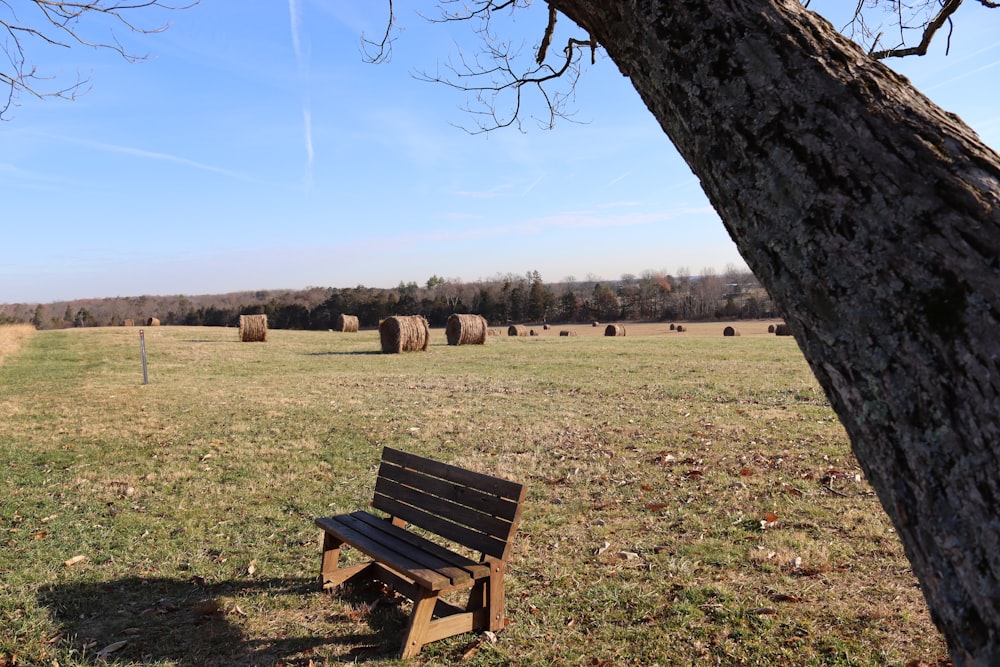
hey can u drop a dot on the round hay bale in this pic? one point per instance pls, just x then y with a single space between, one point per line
517 330
673 326
782 330
532 333
770 328
253 328
596 324
129 323
346 323
494 332
730 331
564 332
680 327
545 326
614 330
152 322
462 329
404 333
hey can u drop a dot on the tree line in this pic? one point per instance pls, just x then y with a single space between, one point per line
503 300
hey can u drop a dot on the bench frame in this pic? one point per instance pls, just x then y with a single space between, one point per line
476 511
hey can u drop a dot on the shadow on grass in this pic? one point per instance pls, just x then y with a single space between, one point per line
187 622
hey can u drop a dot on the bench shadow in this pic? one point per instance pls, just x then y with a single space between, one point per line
188 622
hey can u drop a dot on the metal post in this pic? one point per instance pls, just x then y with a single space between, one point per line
142 350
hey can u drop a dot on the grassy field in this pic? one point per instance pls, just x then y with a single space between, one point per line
692 499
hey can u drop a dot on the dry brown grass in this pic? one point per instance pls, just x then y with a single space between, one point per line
12 336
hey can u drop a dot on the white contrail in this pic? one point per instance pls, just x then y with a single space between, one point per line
295 21
295 16
307 122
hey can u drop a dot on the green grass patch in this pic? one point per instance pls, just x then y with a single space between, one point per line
692 500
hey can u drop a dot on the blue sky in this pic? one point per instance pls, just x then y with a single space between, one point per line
256 150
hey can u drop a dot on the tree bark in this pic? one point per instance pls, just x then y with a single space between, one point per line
873 219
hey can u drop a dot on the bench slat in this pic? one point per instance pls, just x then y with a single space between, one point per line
465 536
383 542
486 503
476 569
413 547
495 486
453 513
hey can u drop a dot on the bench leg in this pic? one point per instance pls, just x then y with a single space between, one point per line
495 599
330 560
331 574
416 630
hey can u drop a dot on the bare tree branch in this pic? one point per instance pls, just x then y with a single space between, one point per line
547 38
921 18
381 51
930 29
501 75
59 24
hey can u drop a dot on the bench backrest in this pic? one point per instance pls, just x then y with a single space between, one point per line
475 510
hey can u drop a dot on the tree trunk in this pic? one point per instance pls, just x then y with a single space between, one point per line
873 219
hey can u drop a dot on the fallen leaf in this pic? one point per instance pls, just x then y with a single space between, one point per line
770 517
252 567
656 507
471 649
111 648
39 535
74 560
746 472
600 550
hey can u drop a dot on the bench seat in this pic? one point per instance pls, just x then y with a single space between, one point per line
434 567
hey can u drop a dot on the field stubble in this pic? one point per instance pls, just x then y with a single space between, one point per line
692 499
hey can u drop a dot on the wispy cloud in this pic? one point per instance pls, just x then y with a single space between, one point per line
502 190
533 184
148 155
963 75
26 178
563 221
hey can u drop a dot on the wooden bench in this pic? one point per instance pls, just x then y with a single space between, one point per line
475 511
